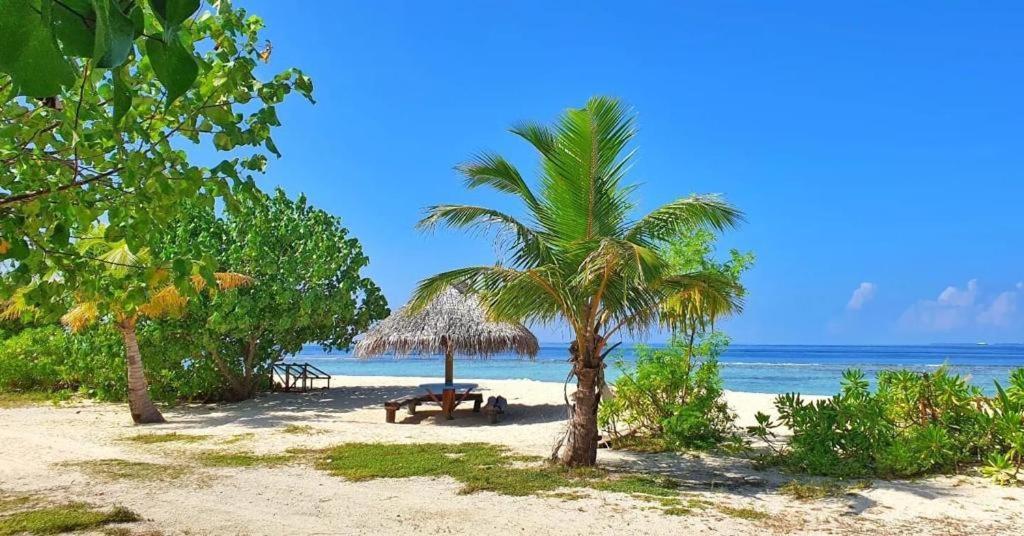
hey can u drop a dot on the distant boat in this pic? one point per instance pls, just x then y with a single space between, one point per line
982 343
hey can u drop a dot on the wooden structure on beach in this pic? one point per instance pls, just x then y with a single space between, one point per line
296 377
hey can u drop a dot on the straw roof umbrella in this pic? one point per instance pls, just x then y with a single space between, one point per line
453 323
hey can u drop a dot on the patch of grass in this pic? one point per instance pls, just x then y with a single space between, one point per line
481 467
750 514
809 491
18 399
640 484
566 495
118 469
150 439
10 503
301 429
58 519
243 459
237 438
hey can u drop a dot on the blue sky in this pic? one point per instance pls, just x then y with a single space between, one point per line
877 150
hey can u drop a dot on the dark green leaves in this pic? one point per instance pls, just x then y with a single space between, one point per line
174 66
115 34
38 38
173 12
74 25
29 53
122 95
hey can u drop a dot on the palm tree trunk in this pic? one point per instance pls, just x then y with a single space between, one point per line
141 406
580 447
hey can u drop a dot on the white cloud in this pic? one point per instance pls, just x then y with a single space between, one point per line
1001 311
864 293
956 308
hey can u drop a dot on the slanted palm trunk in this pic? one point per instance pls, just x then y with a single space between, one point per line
580 447
141 406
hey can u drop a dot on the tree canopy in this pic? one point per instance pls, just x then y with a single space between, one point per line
307 286
108 144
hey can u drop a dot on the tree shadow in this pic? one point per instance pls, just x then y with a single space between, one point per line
272 410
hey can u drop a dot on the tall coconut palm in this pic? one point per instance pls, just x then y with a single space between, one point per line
126 296
578 256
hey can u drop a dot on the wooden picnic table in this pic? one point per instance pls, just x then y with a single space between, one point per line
450 395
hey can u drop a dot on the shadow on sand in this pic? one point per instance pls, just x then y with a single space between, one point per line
278 409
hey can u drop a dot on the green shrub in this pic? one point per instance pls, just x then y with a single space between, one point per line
912 424
672 397
47 358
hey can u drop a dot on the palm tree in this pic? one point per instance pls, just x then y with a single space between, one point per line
122 291
578 257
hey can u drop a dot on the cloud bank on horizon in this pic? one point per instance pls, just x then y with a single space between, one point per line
958 308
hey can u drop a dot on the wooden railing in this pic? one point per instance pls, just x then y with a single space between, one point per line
296 377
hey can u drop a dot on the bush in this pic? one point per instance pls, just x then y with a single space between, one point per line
47 358
913 424
672 399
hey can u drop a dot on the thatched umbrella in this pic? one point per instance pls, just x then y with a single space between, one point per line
453 323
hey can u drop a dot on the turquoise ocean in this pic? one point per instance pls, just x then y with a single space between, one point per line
753 368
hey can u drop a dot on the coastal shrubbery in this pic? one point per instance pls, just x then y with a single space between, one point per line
671 399
911 424
48 359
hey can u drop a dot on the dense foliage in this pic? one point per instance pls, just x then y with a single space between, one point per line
303 285
671 399
581 256
91 364
306 285
911 424
108 144
43 42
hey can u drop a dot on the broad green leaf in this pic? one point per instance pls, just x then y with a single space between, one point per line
115 34
73 24
175 67
122 95
29 52
173 12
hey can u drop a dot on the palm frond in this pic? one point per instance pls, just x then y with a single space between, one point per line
487 169
682 215
527 246
81 316
168 301
225 281
17 307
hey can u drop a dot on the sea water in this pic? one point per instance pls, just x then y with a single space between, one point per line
815 370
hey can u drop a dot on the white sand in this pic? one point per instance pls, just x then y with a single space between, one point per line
297 499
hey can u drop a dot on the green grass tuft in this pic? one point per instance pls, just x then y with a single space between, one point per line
642 484
750 514
809 491
243 459
58 519
237 438
301 429
118 469
150 439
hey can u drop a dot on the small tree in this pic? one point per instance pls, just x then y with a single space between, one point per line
580 256
129 289
307 284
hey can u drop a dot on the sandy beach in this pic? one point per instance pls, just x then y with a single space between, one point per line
46 452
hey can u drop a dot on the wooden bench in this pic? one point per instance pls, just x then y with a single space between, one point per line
495 408
391 407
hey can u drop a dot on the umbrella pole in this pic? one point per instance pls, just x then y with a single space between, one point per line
448 395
